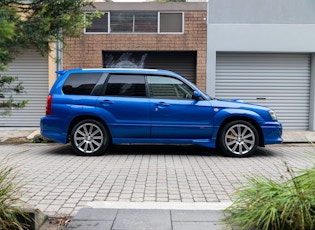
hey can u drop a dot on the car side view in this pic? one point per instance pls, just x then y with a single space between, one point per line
93 108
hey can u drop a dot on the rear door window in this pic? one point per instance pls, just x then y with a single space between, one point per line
126 86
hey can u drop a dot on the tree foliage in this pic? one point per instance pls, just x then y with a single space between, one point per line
35 23
39 22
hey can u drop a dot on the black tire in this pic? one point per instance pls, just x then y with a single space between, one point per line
238 139
89 138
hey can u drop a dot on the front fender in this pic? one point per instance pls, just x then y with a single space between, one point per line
221 115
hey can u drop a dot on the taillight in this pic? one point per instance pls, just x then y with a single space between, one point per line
48 105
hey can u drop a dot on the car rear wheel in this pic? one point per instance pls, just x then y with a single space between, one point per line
89 138
238 139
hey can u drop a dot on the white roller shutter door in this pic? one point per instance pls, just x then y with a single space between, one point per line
278 80
32 69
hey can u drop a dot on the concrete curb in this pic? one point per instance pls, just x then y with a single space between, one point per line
160 205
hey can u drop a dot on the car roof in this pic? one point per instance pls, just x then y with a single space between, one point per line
118 70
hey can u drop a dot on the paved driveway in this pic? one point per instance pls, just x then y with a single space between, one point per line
59 183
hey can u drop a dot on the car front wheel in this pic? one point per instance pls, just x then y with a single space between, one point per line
89 138
238 139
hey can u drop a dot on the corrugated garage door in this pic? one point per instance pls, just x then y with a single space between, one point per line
280 81
181 62
31 68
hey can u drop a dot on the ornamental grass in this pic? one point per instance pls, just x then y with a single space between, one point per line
266 204
12 215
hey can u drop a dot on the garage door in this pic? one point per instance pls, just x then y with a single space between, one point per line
31 68
181 62
280 81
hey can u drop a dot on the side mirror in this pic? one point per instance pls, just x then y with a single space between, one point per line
196 95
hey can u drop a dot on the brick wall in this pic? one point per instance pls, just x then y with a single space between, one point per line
86 52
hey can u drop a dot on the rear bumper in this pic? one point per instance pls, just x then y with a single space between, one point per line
54 129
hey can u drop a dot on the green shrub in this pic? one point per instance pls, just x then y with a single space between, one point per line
12 215
267 204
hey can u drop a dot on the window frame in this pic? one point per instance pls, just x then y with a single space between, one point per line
109 31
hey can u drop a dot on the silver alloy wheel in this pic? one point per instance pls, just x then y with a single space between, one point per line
239 139
88 138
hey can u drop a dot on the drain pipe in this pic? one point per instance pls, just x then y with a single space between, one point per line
59 53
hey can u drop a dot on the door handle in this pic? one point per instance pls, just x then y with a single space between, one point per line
162 104
261 98
108 102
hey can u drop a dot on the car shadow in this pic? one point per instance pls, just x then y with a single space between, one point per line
161 149
61 149
157 150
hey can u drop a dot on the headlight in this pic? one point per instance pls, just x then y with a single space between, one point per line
273 115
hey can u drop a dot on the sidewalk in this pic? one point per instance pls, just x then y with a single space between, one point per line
164 216
13 134
114 219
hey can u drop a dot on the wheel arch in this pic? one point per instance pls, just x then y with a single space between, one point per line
85 117
248 119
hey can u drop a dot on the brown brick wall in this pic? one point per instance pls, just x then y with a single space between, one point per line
86 52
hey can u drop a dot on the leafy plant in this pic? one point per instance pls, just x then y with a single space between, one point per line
12 215
8 86
267 204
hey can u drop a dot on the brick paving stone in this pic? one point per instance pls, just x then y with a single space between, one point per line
59 182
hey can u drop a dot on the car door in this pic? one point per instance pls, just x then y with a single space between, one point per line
175 114
125 106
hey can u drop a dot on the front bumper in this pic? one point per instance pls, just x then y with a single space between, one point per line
272 132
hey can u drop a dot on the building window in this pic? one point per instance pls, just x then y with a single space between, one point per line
138 22
121 22
99 25
129 22
146 22
171 22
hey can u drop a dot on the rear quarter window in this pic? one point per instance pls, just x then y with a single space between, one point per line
80 83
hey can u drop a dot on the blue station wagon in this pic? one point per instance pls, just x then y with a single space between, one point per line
92 108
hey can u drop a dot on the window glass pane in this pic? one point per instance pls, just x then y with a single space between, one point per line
167 87
146 22
121 22
98 25
171 22
80 83
126 85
